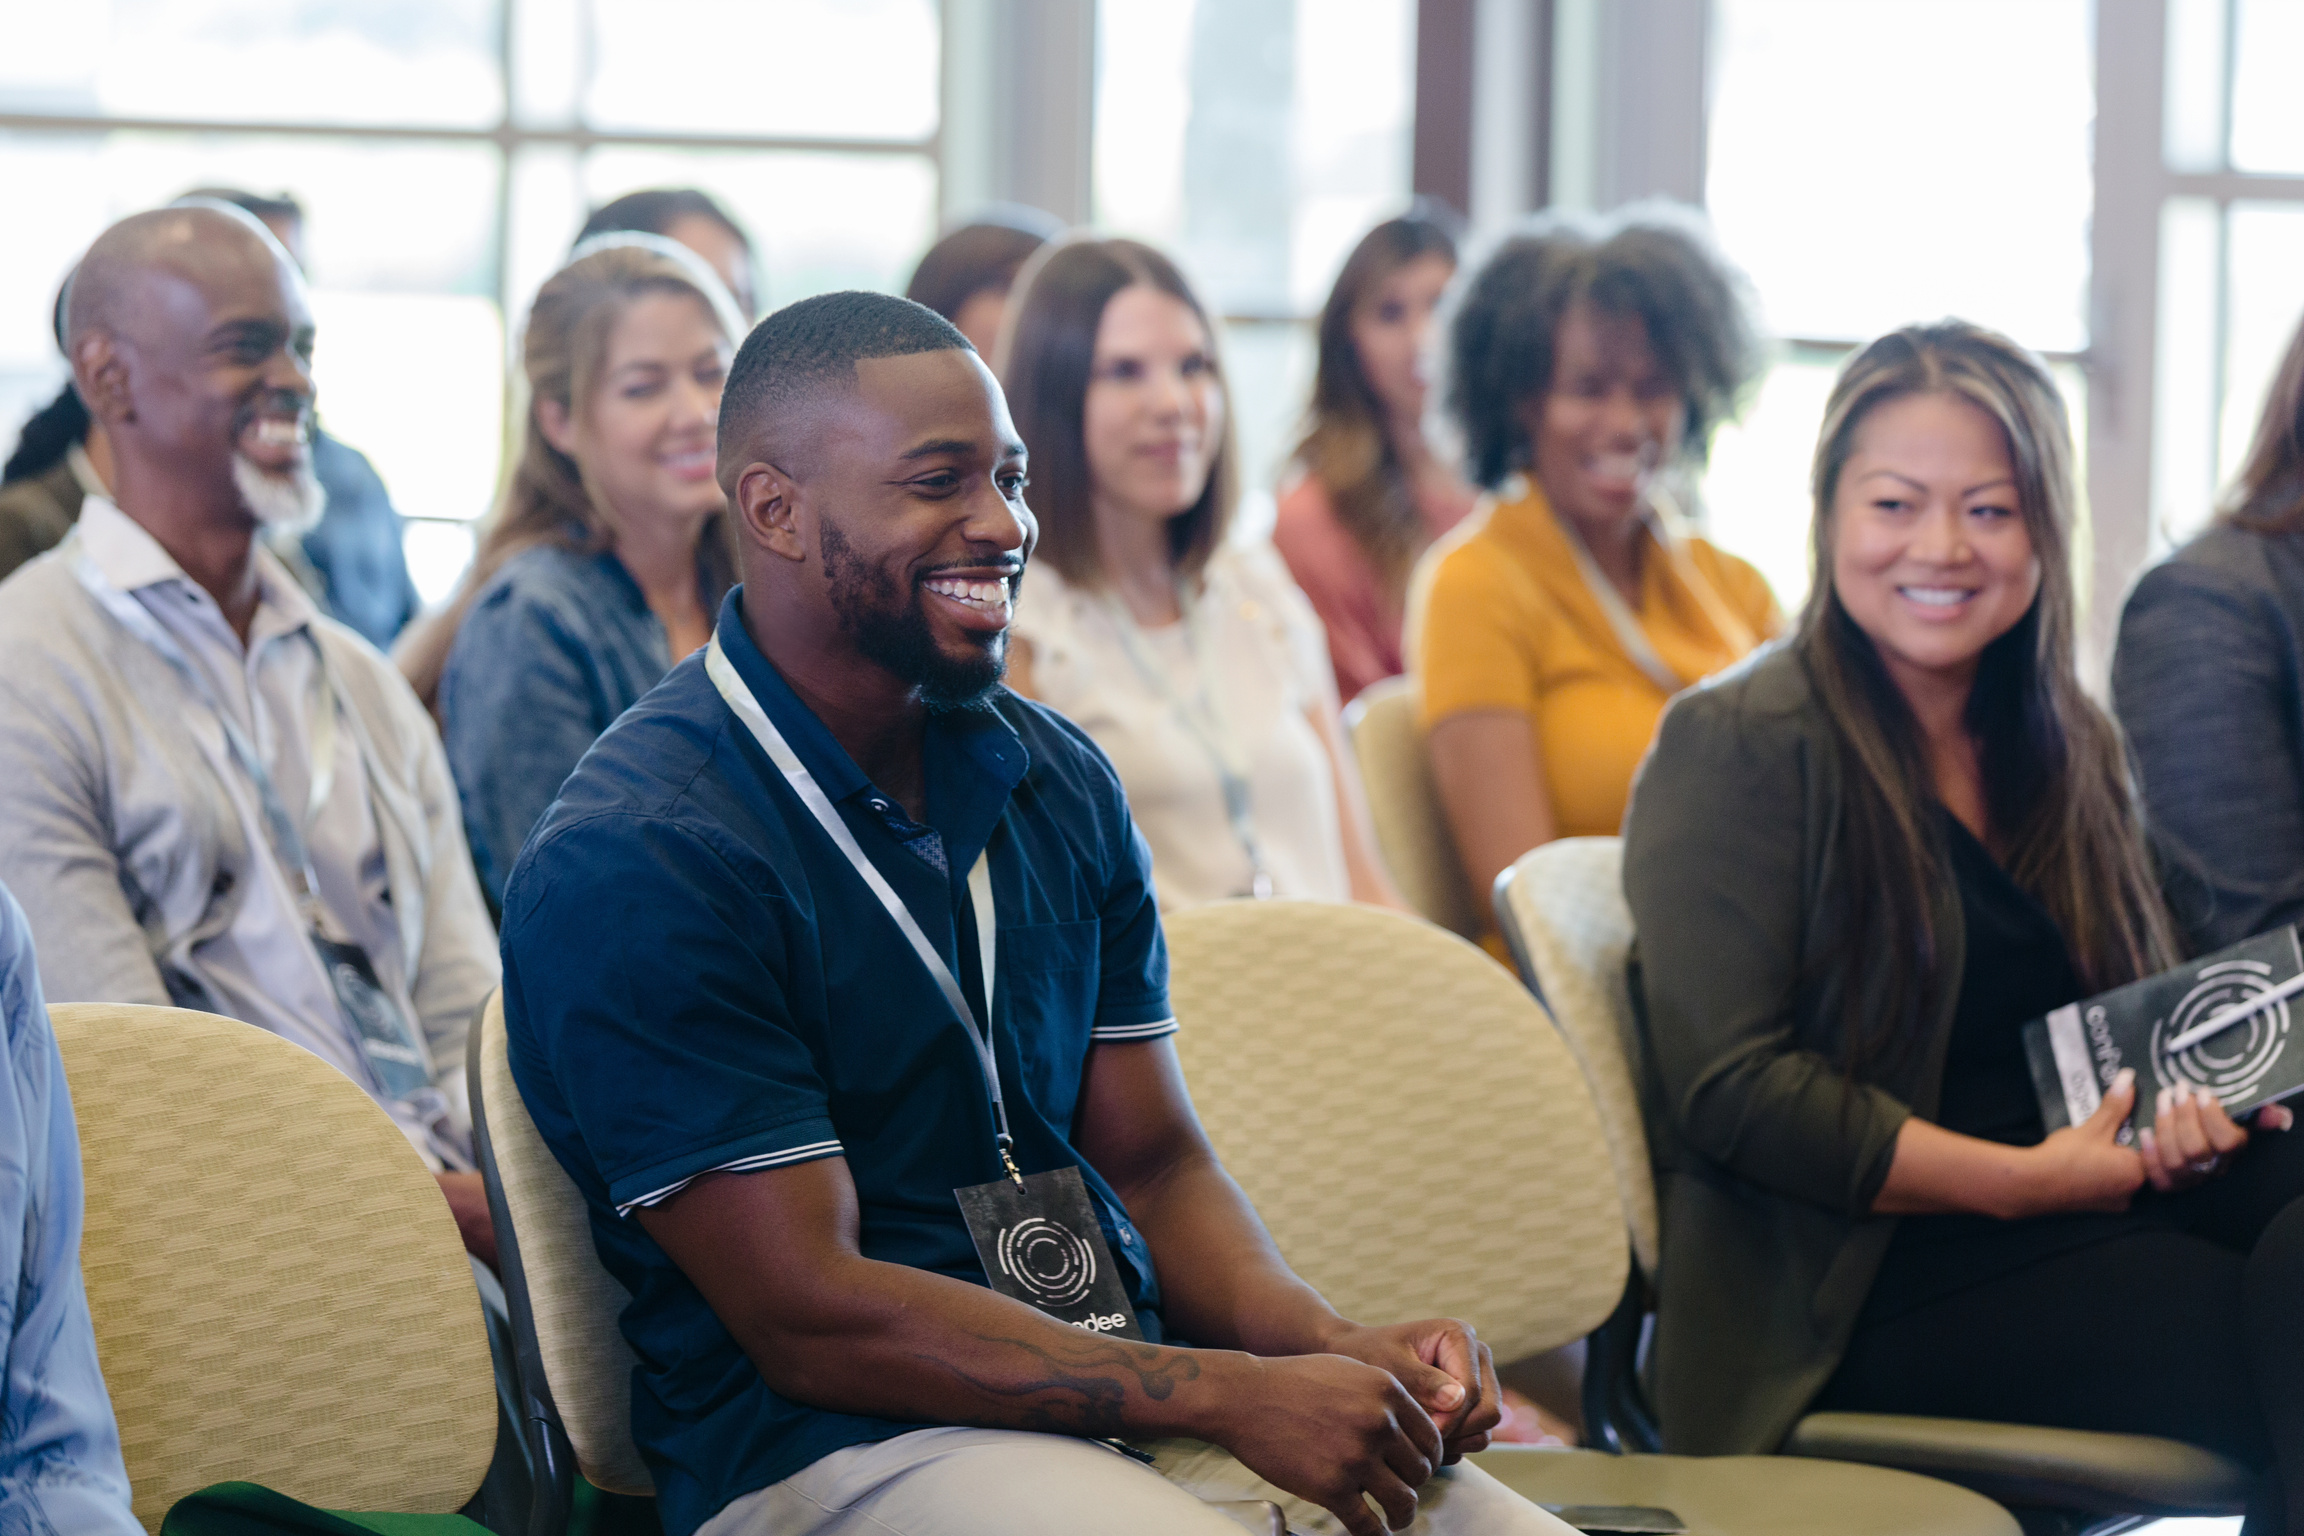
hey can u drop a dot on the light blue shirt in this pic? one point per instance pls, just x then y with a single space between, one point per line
60 1467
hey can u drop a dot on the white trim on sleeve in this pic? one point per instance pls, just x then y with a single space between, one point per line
1150 1031
808 1153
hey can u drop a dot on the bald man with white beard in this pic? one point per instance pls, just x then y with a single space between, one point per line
211 794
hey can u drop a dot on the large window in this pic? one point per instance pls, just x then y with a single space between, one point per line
1876 164
1255 140
2118 185
446 152
2231 278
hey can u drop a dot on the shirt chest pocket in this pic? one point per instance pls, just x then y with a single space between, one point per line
1048 982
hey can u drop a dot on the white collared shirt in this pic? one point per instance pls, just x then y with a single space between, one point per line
259 964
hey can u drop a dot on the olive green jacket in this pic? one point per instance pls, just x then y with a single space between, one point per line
1768 1157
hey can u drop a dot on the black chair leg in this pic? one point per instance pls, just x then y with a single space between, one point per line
1617 1418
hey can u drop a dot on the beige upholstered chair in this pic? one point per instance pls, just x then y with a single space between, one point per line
1562 909
1422 1143
1411 832
279 1292
575 1368
1572 929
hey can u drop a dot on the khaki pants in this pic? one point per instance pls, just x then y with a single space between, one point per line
1008 1482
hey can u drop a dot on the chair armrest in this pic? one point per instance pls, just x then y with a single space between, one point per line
2028 1464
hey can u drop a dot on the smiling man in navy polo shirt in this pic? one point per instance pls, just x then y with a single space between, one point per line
915 1241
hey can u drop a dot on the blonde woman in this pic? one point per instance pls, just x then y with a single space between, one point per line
608 558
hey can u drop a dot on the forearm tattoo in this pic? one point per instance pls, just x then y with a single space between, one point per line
1080 1389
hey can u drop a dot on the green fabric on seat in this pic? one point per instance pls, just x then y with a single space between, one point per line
247 1509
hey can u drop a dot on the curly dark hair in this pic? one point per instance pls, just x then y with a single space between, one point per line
1653 263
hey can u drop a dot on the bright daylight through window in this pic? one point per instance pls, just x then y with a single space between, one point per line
1924 214
433 212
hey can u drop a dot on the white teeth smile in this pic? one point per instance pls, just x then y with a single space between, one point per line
275 433
990 596
1619 466
1936 597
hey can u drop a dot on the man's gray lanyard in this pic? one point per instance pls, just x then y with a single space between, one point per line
738 695
1208 727
382 1030
1036 1235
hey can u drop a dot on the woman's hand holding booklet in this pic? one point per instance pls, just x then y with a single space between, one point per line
2209 1042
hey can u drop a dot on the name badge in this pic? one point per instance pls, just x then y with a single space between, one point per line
385 1039
1041 1245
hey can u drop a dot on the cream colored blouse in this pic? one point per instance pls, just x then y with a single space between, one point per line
1182 708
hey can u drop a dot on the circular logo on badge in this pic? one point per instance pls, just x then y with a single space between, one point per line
1048 1259
2233 1061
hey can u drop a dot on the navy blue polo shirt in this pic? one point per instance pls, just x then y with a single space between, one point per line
695 978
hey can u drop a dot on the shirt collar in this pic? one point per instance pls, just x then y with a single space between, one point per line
84 472
128 558
973 758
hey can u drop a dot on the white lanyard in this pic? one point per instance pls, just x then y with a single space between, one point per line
285 833
1732 631
739 697
1620 618
1206 723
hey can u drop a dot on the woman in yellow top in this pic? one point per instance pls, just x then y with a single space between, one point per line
1590 365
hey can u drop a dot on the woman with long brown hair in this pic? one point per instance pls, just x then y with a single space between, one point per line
609 554
1370 493
1191 660
2209 681
1858 865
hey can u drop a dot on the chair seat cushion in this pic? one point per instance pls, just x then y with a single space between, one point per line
1752 1495
2028 1464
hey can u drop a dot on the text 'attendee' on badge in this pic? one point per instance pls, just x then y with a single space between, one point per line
835 980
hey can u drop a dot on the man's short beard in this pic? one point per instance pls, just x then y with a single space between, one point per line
891 628
286 504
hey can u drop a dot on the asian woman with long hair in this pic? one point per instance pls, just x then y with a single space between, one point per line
1858 864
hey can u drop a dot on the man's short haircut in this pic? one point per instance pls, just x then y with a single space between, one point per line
805 349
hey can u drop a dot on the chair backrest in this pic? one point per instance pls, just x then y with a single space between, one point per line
572 1299
1562 910
1411 831
1416 1136
278 1288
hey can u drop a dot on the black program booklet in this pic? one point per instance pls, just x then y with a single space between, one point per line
2167 1028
